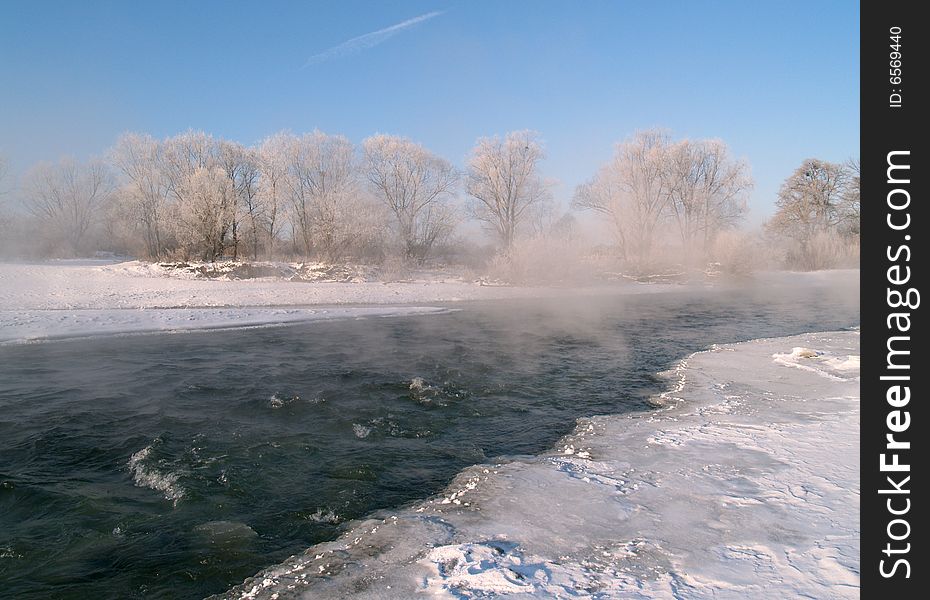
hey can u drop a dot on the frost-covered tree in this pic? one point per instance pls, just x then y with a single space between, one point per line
810 200
652 180
205 211
147 187
707 191
813 203
631 192
849 204
208 209
505 182
66 198
273 155
314 176
242 169
159 180
416 186
184 154
323 190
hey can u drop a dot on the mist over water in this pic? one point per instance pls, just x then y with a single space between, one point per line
175 466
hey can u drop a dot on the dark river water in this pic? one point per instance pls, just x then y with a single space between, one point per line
177 465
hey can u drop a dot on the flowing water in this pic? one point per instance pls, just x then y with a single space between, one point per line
177 465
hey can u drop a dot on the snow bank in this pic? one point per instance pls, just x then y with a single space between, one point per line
67 299
58 286
745 485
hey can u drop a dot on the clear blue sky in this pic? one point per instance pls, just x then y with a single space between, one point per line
778 81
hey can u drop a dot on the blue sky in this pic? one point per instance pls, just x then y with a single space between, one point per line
777 81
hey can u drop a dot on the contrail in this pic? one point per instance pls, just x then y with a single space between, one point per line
368 40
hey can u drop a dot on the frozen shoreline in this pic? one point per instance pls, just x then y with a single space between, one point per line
76 299
745 484
23 327
68 299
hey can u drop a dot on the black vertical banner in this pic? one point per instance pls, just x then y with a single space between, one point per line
895 442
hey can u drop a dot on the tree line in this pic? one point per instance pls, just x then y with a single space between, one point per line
318 195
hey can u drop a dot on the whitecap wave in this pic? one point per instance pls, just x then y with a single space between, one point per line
144 475
429 394
279 401
423 392
324 516
418 384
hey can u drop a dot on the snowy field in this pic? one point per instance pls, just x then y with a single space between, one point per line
745 485
66 299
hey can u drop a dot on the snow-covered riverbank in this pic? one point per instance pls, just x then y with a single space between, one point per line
745 485
82 285
81 298
67 299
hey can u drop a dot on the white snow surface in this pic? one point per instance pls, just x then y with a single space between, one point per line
82 286
745 484
66 299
